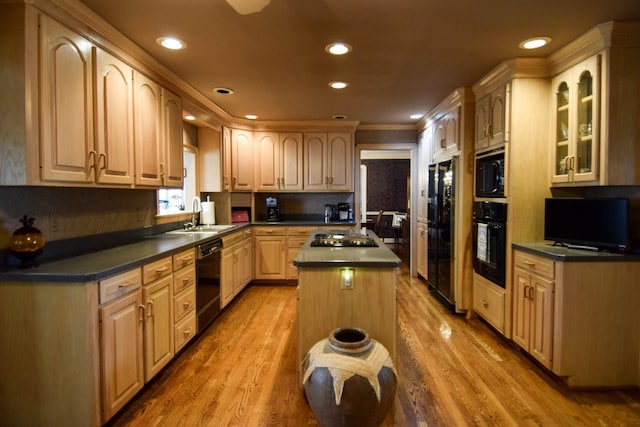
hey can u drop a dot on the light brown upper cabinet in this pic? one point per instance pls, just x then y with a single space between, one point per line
114 119
328 164
279 163
66 99
594 94
158 134
490 119
241 160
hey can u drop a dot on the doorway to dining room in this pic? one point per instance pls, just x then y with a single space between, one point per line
385 185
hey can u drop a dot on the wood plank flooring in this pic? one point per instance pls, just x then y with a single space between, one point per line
453 371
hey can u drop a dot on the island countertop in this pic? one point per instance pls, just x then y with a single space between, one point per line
380 256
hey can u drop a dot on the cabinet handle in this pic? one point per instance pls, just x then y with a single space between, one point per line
490 130
187 332
102 161
530 264
235 180
485 303
161 170
141 313
186 260
125 284
282 182
186 305
186 281
161 270
150 308
92 154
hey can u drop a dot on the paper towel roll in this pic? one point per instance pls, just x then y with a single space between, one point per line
208 214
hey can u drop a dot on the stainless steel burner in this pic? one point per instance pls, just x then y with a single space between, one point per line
343 240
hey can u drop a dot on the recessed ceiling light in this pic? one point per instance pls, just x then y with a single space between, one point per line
171 43
339 117
338 85
189 117
251 116
535 43
223 90
338 48
416 116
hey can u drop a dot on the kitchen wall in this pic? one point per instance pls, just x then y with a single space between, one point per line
387 184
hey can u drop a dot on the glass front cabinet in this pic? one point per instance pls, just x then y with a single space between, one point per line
576 103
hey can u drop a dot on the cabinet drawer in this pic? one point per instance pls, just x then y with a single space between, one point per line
184 259
155 270
184 331
536 264
184 303
247 234
488 301
269 231
232 239
121 284
295 242
184 279
299 231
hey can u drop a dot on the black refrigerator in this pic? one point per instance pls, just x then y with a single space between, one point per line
440 229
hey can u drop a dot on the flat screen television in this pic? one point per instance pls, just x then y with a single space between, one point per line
596 223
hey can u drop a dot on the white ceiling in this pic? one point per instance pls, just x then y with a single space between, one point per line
408 54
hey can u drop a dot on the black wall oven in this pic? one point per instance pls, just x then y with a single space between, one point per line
489 240
490 174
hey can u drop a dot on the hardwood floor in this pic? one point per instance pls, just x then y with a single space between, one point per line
453 371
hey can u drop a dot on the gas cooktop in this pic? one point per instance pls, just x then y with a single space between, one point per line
343 240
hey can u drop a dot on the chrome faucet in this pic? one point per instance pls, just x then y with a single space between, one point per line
193 210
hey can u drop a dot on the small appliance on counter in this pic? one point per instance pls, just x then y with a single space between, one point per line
330 213
345 213
273 210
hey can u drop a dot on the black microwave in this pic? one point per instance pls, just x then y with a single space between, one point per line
490 174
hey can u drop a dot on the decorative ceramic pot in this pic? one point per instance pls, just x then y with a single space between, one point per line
349 380
26 243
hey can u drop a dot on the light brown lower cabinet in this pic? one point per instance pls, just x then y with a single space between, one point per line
578 317
236 269
270 253
121 341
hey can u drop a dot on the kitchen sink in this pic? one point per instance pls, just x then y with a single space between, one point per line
205 229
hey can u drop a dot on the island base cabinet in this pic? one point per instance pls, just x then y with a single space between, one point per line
325 303
50 362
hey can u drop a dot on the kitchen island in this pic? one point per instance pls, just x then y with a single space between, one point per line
342 286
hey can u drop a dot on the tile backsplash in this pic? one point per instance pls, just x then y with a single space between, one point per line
65 213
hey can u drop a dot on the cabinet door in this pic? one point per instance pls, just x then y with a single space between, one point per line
339 155
147 106
270 257
575 123
121 326
227 258
172 163
541 339
291 158
159 331
226 158
451 129
247 257
241 160
114 119
483 117
66 101
267 145
521 307
497 129
421 252
315 161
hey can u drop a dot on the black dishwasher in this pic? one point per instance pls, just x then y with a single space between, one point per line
208 282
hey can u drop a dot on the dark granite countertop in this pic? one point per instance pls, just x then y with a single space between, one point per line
102 264
380 256
560 253
314 223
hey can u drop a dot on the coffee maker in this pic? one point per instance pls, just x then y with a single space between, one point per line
345 213
273 210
